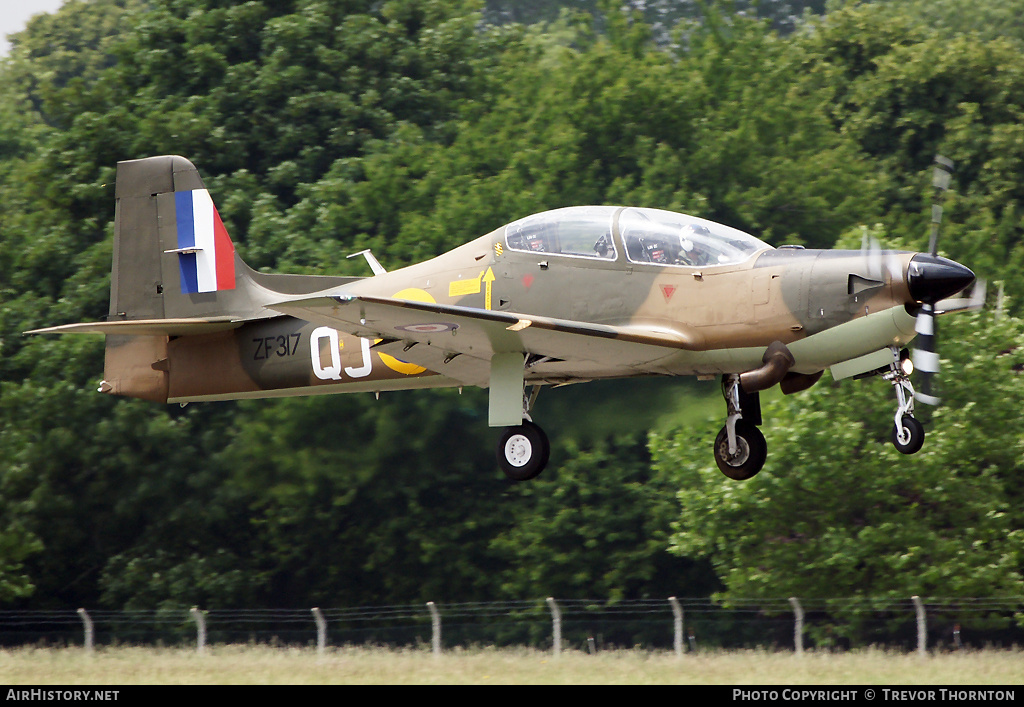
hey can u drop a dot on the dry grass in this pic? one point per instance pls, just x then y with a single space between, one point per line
260 665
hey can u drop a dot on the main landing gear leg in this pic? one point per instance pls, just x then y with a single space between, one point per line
523 450
907 432
740 448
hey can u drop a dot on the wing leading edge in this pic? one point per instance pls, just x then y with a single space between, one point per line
460 342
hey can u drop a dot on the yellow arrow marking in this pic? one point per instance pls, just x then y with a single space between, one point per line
488 279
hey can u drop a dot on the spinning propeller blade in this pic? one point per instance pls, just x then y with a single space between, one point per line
926 357
880 263
932 278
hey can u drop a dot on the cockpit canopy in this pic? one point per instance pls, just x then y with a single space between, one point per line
668 238
648 236
584 231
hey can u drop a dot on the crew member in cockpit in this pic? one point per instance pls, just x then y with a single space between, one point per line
689 235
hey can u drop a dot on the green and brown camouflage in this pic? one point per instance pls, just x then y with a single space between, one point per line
570 295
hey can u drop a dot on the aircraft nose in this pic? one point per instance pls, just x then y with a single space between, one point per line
932 278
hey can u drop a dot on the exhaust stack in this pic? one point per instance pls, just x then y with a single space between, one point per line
777 361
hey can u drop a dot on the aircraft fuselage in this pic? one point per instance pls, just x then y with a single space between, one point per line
562 296
824 304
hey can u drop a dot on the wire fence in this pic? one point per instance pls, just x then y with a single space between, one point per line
684 625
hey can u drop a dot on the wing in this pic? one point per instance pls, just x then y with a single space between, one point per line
460 341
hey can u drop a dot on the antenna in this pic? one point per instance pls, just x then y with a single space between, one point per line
377 268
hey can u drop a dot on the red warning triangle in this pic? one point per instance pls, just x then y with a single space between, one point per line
667 291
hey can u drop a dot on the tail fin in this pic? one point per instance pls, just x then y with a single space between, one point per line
175 273
173 257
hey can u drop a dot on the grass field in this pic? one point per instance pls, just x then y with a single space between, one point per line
260 665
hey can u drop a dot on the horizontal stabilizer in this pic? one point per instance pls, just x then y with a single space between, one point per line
145 327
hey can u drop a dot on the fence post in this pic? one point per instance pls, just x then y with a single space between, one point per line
922 628
88 628
435 628
798 629
321 630
677 625
556 619
200 629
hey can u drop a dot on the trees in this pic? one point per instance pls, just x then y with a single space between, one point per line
904 90
147 501
837 512
597 529
407 126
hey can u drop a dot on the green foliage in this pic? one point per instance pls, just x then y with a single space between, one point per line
16 544
597 528
983 21
60 54
355 501
837 512
410 127
903 92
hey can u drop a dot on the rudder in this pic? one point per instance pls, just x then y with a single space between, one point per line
173 257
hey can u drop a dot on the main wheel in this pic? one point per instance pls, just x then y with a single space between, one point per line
751 452
910 439
523 451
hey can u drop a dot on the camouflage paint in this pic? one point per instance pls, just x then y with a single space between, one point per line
438 323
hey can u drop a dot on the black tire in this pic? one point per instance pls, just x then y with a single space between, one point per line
914 435
750 457
523 451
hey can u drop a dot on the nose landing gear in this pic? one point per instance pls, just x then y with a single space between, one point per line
908 432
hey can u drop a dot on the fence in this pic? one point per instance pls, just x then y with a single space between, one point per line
683 625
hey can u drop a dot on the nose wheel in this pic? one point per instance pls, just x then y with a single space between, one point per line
908 437
907 431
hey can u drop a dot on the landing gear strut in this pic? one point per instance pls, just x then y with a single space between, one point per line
740 448
907 432
523 450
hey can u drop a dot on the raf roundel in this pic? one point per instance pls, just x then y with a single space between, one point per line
436 328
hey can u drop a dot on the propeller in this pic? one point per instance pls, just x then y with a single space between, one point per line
930 279
877 264
973 301
880 262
